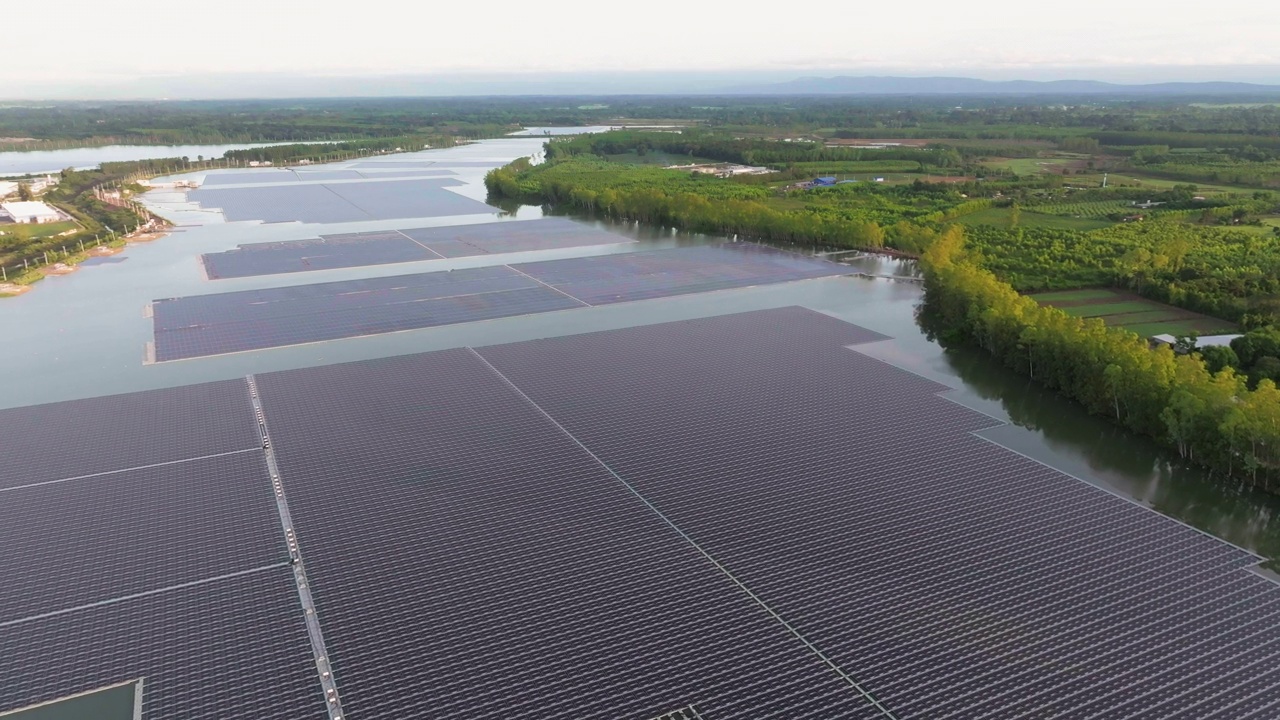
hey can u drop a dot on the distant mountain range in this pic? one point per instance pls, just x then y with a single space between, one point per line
851 85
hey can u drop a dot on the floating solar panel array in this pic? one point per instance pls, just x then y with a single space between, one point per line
294 176
606 279
507 237
340 202
396 246
251 320
729 518
485 565
327 252
233 322
246 178
141 540
441 162
951 578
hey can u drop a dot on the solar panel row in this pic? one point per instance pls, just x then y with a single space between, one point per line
288 176
953 578
383 247
340 202
235 648
231 322
83 541
733 517
488 567
624 277
251 320
442 162
140 540
107 434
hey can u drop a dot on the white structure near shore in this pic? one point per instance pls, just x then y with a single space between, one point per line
30 212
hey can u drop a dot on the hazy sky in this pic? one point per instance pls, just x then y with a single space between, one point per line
68 41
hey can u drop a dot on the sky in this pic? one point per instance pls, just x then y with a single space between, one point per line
113 45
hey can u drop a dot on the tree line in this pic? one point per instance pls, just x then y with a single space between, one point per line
1212 418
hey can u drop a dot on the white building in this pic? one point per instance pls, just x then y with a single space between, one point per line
30 212
8 188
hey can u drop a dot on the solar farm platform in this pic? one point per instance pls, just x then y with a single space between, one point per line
292 176
215 324
340 202
442 163
397 246
729 518
142 543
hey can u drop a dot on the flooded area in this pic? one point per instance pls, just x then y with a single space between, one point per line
85 334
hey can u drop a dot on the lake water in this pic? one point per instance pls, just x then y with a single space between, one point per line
84 335
43 162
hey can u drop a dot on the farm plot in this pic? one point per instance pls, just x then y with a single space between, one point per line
1133 313
1001 217
1093 209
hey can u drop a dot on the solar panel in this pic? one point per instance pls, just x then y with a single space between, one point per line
952 578
340 202
279 203
246 178
233 648
232 322
84 541
82 437
730 517
378 164
409 199
624 277
328 252
439 162
301 175
519 236
369 174
383 247
486 566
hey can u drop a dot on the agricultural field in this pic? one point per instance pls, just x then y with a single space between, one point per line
1091 209
1136 314
999 217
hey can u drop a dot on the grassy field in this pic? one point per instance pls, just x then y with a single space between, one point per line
1133 313
1000 218
28 231
1094 209
1024 166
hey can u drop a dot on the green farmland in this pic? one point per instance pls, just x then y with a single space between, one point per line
1133 313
